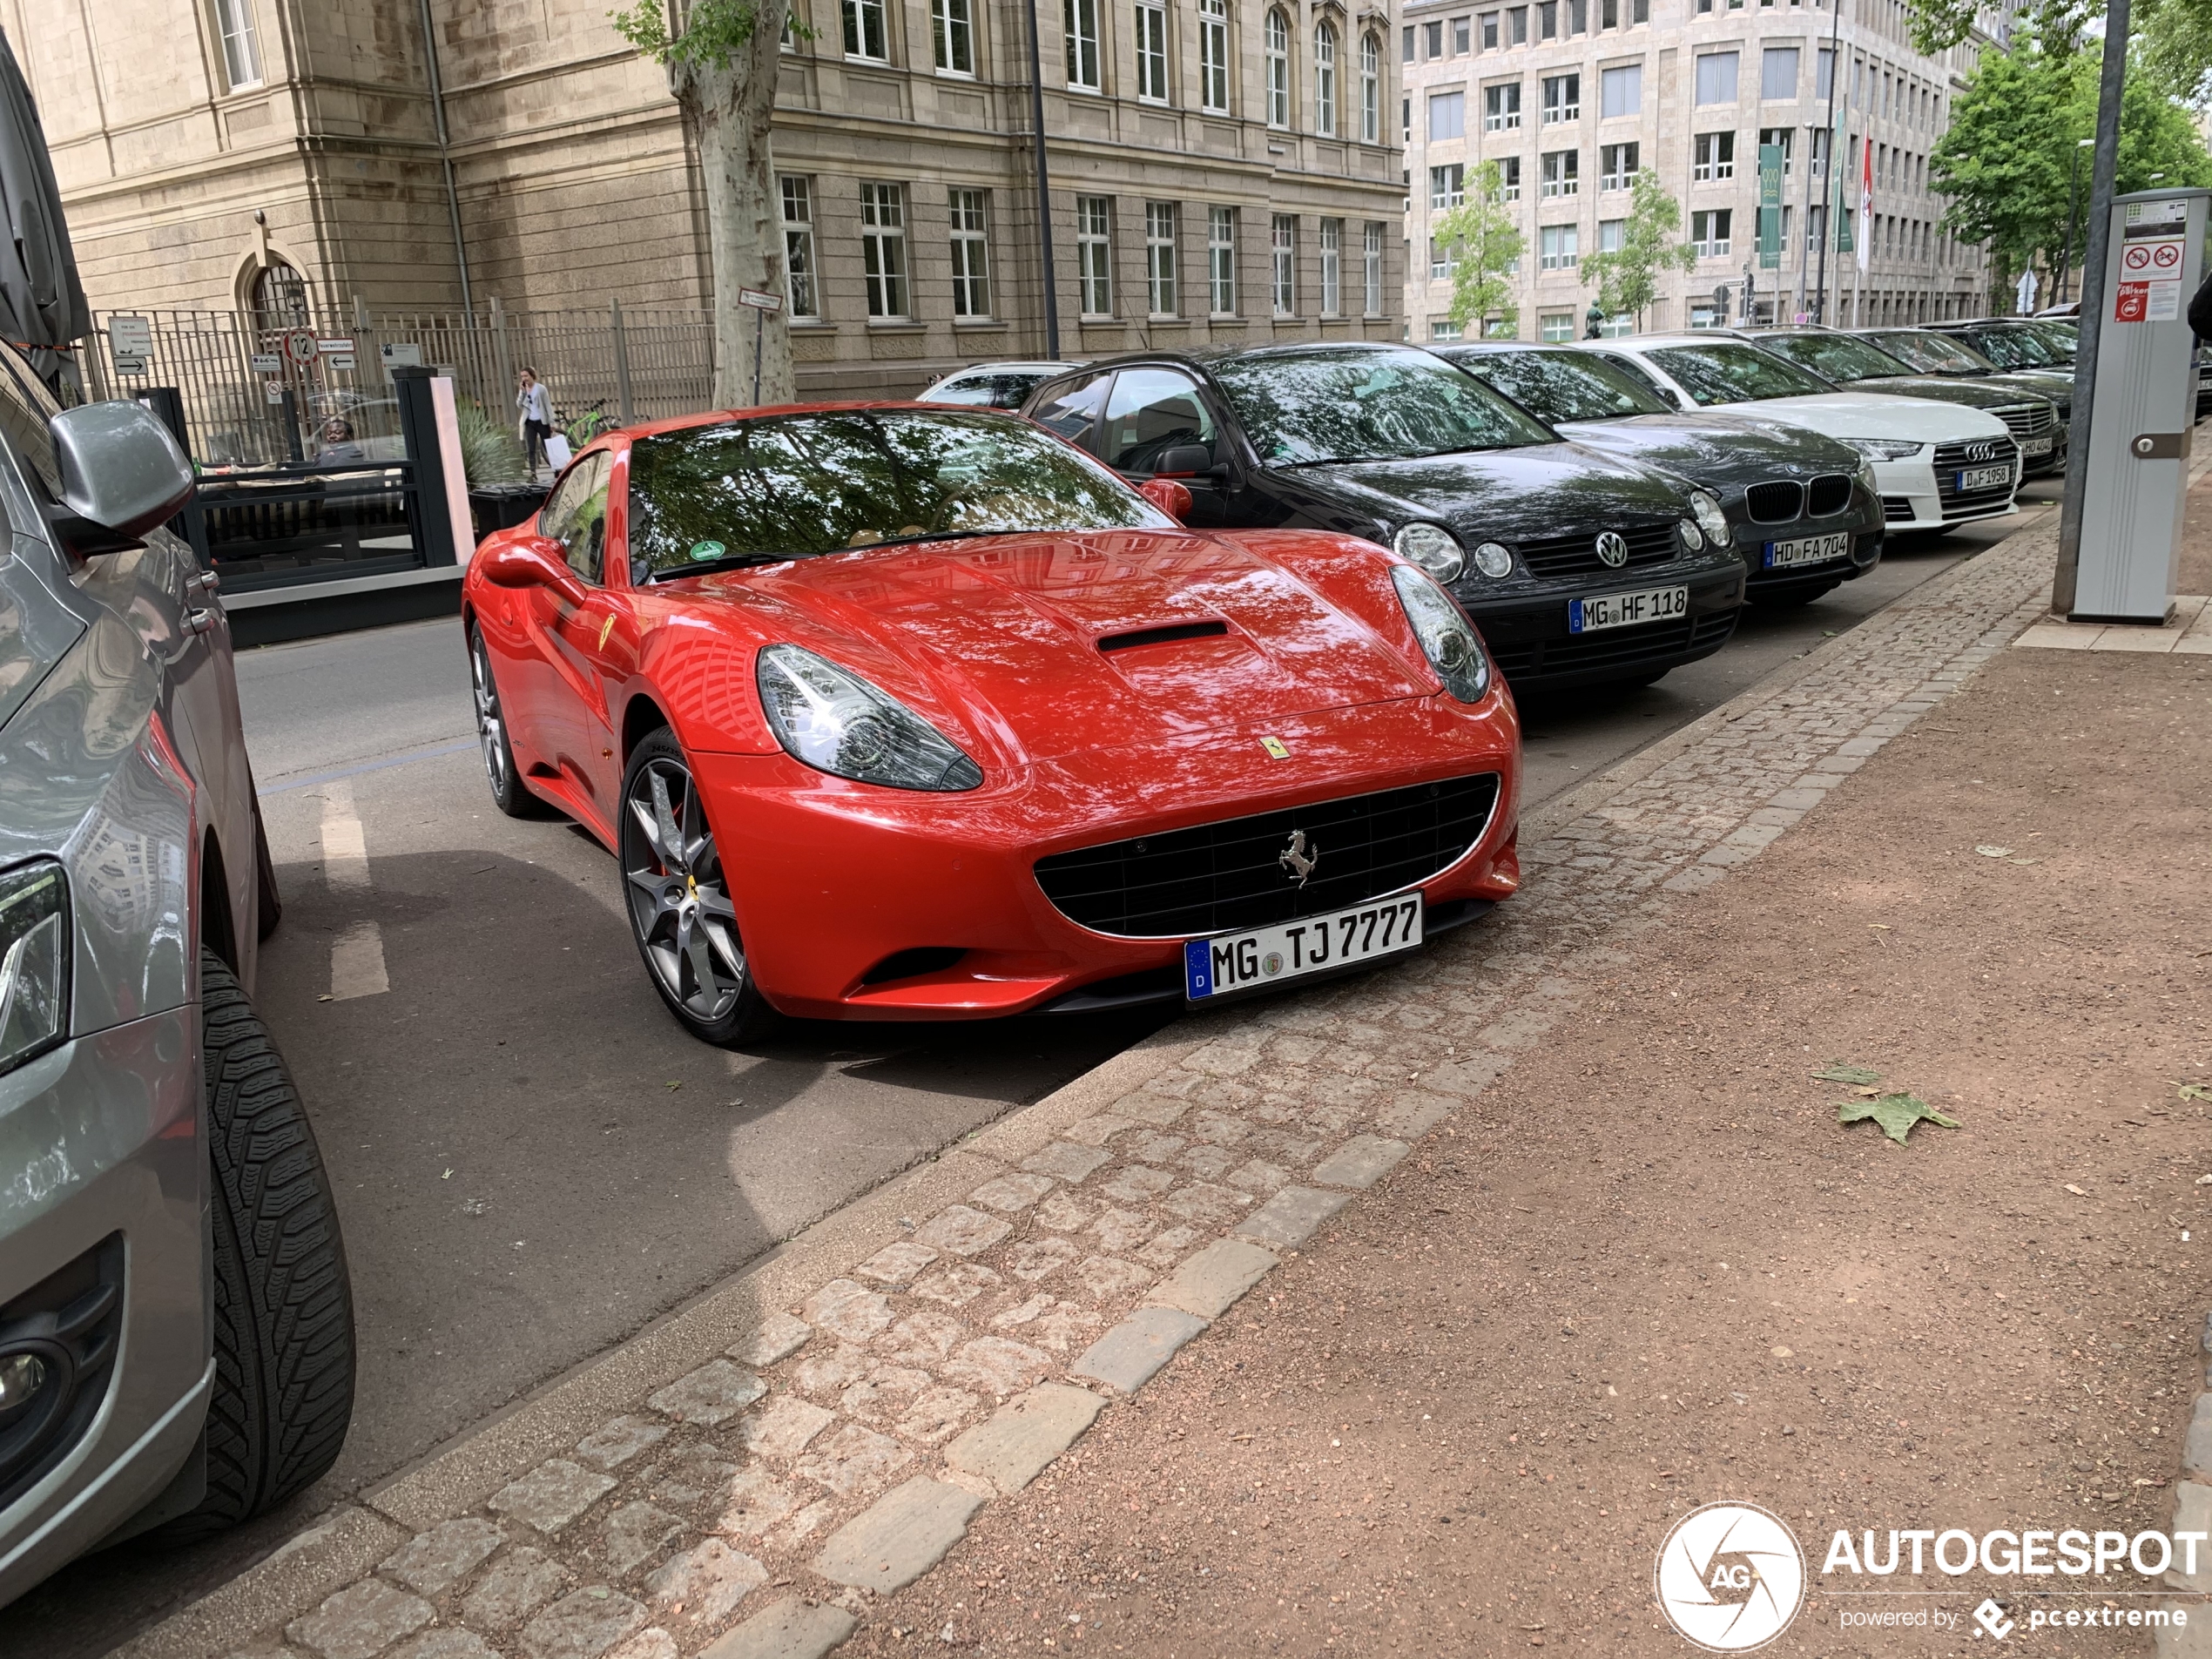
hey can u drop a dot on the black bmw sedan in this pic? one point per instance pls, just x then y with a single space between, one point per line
1579 568
1806 513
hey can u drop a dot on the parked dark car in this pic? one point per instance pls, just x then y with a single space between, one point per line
2010 342
1804 509
1579 568
1939 354
176 1327
1859 364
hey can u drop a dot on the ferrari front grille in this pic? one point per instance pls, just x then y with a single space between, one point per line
1223 877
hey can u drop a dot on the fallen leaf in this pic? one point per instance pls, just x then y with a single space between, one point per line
1994 851
2192 1092
1896 1114
1838 1072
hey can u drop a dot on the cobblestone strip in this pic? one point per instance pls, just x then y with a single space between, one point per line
758 1506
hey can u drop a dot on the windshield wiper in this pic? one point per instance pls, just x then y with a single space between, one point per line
727 562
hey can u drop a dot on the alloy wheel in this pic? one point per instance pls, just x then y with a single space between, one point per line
490 730
679 901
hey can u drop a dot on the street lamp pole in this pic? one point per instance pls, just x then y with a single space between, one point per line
1044 195
2073 203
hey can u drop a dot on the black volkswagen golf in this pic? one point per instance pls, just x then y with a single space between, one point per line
1579 568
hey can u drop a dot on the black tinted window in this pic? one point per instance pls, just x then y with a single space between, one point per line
1564 385
1934 354
1728 373
1839 357
1368 406
799 486
1153 411
25 406
1072 407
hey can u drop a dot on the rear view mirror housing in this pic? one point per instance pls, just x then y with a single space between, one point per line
528 563
1185 460
121 475
1170 497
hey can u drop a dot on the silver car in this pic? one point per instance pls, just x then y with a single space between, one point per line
175 1323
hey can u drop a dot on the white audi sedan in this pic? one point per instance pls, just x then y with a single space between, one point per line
1935 464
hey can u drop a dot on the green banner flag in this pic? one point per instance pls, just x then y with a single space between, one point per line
1769 206
1839 215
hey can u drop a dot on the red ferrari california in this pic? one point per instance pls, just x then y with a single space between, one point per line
893 712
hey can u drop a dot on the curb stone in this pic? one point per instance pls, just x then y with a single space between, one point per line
1223 1130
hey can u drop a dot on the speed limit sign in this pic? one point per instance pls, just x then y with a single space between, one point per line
300 346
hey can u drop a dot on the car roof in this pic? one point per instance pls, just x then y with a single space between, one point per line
1037 367
718 417
1207 357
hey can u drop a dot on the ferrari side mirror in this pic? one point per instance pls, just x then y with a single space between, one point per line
528 564
1168 496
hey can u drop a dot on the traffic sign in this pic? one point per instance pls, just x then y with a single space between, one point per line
267 362
128 363
341 360
761 298
300 346
335 345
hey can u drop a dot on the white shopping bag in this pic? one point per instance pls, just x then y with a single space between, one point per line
557 450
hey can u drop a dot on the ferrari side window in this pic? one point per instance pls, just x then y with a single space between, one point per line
575 516
1153 411
1072 409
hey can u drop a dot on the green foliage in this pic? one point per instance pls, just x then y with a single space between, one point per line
490 454
2175 45
714 32
1482 242
1896 1114
1627 279
2006 162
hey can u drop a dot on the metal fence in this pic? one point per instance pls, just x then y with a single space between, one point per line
258 391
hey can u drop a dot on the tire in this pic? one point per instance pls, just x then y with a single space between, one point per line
284 1308
676 893
509 792
268 907
1790 598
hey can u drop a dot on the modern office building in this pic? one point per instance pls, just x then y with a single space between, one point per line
1221 169
1572 99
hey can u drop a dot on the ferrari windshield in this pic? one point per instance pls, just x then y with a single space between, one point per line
798 486
1838 357
1723 373
1934 354
1561 385
1303 409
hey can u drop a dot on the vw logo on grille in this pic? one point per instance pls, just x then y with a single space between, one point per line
1613 549
1981 452
1298 858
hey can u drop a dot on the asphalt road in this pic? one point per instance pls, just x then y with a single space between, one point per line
531 1159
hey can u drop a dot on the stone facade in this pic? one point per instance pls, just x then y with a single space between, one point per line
1693 87
199 142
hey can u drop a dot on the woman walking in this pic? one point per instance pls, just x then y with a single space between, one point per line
535 406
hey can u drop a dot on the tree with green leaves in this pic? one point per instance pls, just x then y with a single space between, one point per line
1628 277
721 64
1483 247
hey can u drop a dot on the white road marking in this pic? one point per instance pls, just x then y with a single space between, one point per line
357 954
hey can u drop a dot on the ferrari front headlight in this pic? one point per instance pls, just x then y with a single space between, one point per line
1447 638
1711 518
836 722
34 960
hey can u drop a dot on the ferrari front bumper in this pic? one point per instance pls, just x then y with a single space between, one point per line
856 902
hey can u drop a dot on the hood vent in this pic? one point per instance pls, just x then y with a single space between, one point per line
1161 636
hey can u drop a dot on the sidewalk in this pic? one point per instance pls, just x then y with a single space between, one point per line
1618 1256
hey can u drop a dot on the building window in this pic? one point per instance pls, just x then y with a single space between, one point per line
1373 250
1213 56
1159 257
1717 77
280 297
1517 24
1824 73
1709 229
1441 262
1406 119
1617 166
1406 44
241 51
1435 34
1443 330
1283 246
1509 178
1447 116
971 254
1332 267
1502 108
1609 14
1489 31
799 246
1712 157
1446 186
1778 72
1460 37
1555 326
1704 316
1562 172
864 34
1095 254
1562 99
1620 91
1548 20
883 249
1151 52
1370 88
1325 79
1608 234
1221 260
1082 18
952 33
1278 70
1781 139
1560 245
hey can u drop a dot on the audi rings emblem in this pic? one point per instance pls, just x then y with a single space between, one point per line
1981 452
1613 549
